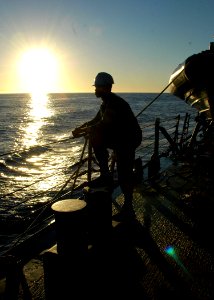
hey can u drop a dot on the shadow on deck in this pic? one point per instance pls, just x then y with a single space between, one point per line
166 253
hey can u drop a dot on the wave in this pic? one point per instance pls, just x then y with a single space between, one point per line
34 150
12 165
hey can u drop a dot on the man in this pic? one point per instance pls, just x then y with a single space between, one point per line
114 127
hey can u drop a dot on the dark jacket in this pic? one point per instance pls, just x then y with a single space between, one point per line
117 122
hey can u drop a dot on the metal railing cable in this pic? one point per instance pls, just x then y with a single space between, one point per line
76 172
37 181
75 164
150 103
42 145
27 186
168 85
55 198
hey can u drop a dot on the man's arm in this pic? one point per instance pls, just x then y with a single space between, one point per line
84 129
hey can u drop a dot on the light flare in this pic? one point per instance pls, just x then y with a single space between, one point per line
170 250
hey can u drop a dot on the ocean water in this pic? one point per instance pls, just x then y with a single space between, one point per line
38 153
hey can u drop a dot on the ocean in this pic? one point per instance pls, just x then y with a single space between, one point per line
38 153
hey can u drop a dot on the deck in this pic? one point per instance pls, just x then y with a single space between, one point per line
166 254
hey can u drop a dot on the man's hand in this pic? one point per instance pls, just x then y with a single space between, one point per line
80 131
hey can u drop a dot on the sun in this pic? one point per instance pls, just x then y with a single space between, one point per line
38 71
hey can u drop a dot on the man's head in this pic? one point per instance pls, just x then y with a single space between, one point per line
103 84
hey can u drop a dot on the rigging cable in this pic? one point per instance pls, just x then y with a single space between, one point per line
45 145
160 93
52 200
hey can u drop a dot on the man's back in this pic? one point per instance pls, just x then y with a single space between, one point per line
119 121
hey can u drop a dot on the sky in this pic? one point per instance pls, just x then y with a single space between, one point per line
60 45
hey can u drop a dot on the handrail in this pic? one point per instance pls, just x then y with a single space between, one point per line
163 143
165 138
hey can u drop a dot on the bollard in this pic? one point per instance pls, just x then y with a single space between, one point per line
71 232
65 264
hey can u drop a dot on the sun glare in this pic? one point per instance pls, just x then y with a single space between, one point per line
38 71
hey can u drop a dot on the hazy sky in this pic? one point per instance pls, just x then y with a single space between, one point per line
140 42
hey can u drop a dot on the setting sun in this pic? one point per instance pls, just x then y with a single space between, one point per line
38 70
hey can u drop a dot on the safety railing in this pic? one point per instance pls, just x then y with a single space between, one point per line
160 139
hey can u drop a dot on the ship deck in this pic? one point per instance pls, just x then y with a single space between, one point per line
167 253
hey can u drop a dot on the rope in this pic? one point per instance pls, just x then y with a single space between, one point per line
52 200
159 94
35 182
45 145
81 159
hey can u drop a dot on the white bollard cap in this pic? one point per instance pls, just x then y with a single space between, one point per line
68 205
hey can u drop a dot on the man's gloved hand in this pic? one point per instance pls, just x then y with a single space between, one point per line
80 131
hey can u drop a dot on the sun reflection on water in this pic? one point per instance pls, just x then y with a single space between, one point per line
38 114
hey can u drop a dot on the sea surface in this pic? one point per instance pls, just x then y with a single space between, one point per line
38 152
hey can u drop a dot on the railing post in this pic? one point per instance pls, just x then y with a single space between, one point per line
185 130
154 163
176 129
156 148
112 162
89 161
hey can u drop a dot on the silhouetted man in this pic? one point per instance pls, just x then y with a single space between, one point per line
114 127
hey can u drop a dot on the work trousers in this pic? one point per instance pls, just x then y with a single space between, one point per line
125 157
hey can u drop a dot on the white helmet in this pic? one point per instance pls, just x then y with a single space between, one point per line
103 79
